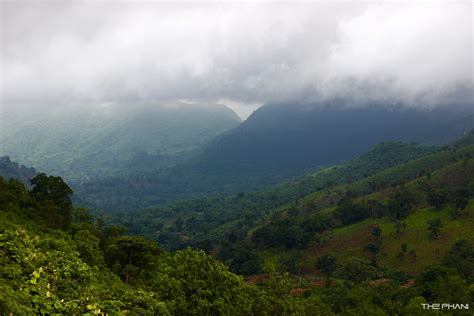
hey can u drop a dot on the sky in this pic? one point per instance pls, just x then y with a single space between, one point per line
240 54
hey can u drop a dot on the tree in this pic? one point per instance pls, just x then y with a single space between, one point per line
82 215
197 284
348 212
54 198
442 284
413 307
376 231
375 208
282 232
110 232
360 301
128 256
401 203
461 258
374 250
400 227
244 259
434 226
313 305
326 264
461 198
357 270
404 247
88 247
438 197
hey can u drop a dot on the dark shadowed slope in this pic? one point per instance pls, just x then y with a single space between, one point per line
12 170
290 137
278 142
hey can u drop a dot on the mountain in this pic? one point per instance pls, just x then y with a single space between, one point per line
384 233
12 170
277 142
204 217
285 138
292 226
84 142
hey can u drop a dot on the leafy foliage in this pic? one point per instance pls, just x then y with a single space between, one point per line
55 259
53 196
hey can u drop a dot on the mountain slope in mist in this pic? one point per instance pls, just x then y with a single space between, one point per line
278 142
95 141
289 137
11 170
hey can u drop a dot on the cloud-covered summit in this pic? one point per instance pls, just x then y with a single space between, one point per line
242 53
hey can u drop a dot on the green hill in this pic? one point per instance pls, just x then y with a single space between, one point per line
276 143
12 170
337 232
395 234
294 215
279 141
205 216
96 141
135 192
57 259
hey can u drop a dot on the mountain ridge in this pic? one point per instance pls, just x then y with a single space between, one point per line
280 142
98 140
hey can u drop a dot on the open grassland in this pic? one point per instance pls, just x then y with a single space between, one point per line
422 250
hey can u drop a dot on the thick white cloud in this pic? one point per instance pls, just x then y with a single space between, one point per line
242 53
420 50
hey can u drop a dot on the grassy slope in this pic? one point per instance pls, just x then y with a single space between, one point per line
324 200
347 241
229 211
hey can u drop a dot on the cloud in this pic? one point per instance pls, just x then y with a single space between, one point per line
418 50
243 53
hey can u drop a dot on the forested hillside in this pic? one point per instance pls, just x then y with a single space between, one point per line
200 217
12 170
278 142
251 231
57 259
95 141
293 136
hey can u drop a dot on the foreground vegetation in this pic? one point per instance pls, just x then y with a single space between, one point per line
57 259
382 238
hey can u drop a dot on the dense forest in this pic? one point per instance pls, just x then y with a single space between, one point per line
276 143
380 242
10 169
101 140
57 259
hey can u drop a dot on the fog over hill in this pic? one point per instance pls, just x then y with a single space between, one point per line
235 53
334 79
12 170
296 136
281 141
93 141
